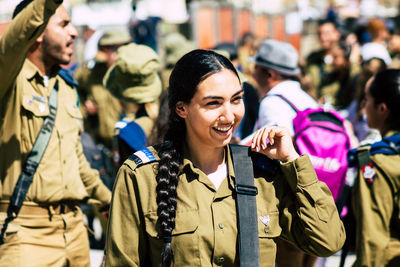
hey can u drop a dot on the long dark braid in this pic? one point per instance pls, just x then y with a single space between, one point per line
189 71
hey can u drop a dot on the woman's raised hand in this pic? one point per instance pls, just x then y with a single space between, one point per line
275 142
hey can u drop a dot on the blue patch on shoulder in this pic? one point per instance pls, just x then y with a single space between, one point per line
143 156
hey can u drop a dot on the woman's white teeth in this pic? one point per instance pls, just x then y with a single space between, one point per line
224 129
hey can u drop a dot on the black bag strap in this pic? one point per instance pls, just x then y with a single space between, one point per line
246 206
26 177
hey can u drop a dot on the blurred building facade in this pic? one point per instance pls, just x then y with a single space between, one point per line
208 22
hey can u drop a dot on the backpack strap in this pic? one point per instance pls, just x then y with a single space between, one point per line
35 156
246 206
389 146
288 102
361 156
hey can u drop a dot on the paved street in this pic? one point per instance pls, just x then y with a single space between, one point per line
97 255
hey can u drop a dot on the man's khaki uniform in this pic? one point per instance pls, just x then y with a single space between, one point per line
376 205
108 107
292 204
44 225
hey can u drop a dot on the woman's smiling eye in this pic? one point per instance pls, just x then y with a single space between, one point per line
213 103
237 99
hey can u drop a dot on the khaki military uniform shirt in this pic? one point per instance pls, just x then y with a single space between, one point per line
376 207
63 173
293 204
108 107
335 92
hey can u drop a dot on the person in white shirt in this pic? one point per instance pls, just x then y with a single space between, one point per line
276 72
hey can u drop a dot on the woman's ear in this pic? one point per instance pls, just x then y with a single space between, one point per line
383 111
181 109
382 107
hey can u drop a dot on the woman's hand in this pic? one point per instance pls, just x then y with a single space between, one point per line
275 142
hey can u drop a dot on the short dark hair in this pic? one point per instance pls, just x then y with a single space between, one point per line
20 7
326 21
385 88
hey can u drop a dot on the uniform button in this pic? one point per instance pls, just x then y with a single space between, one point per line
266 229
64 161
220 260
221 225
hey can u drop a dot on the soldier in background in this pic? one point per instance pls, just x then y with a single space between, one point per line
102 108
133 79
319 63
175 46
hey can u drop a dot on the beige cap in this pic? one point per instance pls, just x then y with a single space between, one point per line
115 37
133 77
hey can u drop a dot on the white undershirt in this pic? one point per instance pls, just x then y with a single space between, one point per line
46 80
218 176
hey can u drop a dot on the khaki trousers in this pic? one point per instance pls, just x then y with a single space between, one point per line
45 240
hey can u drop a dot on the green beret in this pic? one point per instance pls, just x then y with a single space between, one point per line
115 37
133 77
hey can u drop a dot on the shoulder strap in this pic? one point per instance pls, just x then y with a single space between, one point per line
389 146
246 206
287 101
35 156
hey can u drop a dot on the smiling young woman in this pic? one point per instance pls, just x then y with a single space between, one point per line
176 202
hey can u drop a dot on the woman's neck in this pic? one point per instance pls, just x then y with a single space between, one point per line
207 160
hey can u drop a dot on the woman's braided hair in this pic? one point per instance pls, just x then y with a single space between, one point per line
188 72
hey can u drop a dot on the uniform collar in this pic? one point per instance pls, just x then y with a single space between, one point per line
193 172
33 72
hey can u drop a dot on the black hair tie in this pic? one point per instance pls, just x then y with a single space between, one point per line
167 239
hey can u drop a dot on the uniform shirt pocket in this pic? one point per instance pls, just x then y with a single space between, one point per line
268 224
185 240
35 104
268 230
73 110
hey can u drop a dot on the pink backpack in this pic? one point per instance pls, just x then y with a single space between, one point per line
322 135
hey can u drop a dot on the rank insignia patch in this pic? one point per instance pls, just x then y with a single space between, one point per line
368 172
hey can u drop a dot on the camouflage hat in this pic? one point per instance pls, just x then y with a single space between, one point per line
115 37
133 77
176 45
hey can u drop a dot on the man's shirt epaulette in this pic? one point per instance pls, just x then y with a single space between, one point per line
67 76
143 156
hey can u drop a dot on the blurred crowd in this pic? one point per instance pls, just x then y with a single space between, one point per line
123 83
334 75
